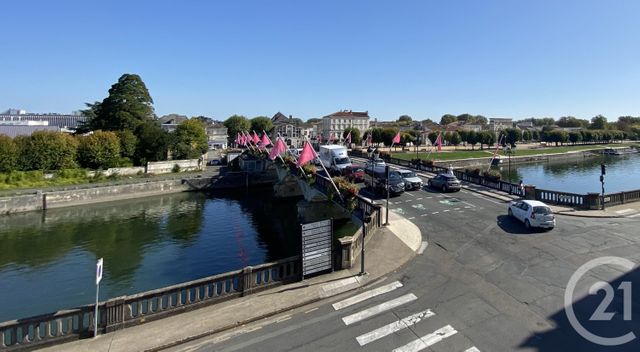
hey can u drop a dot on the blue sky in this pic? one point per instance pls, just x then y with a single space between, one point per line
310 58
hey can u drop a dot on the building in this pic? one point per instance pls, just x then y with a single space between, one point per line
170 122
217 136
337 122
292 130
499 124
13 131
62 121
472 127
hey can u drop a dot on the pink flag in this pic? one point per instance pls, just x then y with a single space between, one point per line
277 149
306 155
396 139
348 138
369 138
439 141
265 140
243 140
237 140
256 139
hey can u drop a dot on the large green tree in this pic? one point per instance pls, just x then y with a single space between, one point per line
405 119
189 140
99 150
598 122
512 136
8 154
153 143
128 106
236 124
261 123
128 142
447 119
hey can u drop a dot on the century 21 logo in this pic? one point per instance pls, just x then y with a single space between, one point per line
600 313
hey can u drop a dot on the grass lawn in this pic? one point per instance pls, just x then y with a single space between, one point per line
466 154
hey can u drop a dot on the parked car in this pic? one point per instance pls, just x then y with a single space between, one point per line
354 173
532 213
396 183
445 182
411 180
377 163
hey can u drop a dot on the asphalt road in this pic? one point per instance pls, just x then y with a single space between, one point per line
484 283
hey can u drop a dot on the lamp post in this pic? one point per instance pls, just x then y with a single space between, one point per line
418 141
373 154
366 218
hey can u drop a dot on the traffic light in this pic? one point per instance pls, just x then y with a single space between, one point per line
603 169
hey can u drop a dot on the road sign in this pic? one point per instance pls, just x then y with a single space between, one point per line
99 270
317 245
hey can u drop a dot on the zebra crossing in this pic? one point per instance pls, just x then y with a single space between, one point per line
437 336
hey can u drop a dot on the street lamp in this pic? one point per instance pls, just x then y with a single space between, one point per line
366 218
418 141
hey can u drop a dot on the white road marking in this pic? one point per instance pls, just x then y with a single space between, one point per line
425 214
625 211
423 246
409 194
472 349
408 200
634 215
446 210
311 310
419 198
467 207
411 218
435 212
366 295
456 209
469 204
286 317
394 327
427 340
380 308
429 197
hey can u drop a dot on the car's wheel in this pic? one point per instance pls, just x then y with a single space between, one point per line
527 224
510 213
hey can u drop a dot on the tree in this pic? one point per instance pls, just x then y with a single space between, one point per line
45 150
598 122
99 150
8 154
486 137
189 141
153 143
128 106
481 120
376 135
535 135
355 134
128 142
526 136
388 134
570 121
447 119
405 119
512 135
575 137
91 113
406 137
236 124
454 138
433 135
472 138
261 123
206 121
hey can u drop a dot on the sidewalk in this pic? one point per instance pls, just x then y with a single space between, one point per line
389 249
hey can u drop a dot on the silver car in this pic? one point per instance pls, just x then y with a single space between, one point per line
411 180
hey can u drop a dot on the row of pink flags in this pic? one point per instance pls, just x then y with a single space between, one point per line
248 140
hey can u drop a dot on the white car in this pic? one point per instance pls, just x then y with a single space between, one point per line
532 213
377 163
411 180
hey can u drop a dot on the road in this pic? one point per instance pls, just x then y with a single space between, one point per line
483 283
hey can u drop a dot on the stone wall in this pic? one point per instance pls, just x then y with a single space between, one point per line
462 163
163 167
18 204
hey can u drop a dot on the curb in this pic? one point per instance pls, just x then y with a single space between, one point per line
571 213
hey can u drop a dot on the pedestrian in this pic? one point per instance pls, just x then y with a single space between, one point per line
451 170
521 188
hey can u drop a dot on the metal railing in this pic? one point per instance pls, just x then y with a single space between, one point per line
561 198
125 311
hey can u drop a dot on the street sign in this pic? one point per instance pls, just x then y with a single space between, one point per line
99 270
317 245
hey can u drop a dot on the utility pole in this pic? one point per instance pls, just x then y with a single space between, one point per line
603 171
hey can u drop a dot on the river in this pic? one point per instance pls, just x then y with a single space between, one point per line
47 261
579 175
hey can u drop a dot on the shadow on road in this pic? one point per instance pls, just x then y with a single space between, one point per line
513 226
563 337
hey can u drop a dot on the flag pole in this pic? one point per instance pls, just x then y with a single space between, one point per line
495 152
325 169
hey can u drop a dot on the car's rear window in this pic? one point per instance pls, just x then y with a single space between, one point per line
542 210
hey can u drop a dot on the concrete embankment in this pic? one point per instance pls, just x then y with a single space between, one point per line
462 163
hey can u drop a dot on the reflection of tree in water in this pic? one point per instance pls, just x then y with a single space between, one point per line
120 234
275 221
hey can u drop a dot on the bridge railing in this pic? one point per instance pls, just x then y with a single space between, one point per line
125 311
561 198
622 197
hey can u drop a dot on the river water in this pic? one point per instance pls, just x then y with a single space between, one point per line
47 259
579 175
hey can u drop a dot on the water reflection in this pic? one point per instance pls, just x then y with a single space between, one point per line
47 258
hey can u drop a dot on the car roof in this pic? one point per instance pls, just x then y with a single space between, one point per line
535 203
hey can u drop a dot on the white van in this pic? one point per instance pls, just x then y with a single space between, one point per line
335 158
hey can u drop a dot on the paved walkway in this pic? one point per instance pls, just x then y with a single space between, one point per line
389 249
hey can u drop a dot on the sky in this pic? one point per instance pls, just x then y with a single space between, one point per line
518 59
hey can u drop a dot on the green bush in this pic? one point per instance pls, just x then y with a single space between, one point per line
8 154
45 150
176 168
100 150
